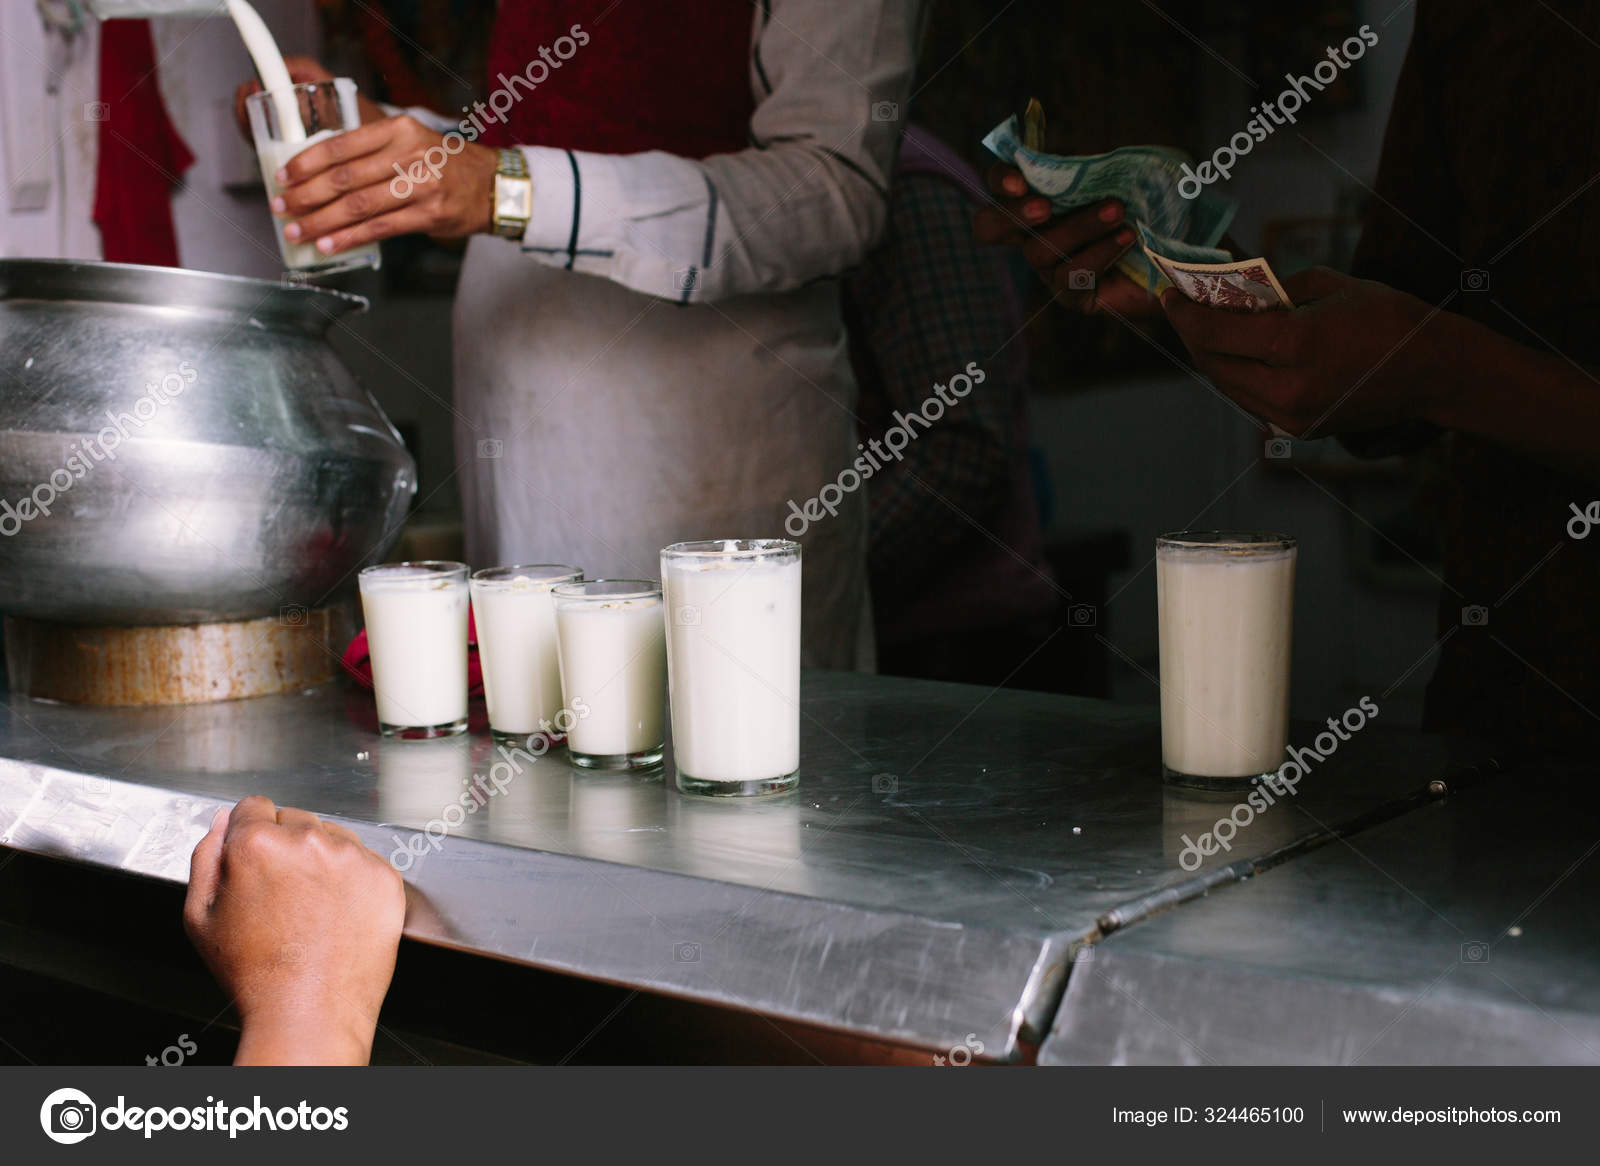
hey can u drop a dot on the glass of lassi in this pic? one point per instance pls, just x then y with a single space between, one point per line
1225 613
733 664
610 637
285 123
516 619
416 615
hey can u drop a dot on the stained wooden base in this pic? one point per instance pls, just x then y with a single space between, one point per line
175 665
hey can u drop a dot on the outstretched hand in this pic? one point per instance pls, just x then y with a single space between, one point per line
1355 355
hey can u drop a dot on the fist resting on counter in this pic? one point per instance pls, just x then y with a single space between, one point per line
300 924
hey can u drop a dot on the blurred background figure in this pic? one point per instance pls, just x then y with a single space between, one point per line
960 587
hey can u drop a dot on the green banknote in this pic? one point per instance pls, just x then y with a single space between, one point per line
1144 179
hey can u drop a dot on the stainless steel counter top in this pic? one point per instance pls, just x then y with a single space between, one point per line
1465 933
947 852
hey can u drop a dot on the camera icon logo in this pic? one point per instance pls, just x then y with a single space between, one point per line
1279 448
1083 615
96 111
1474 615
67 1116
686 278
686 616
885 111
686 952
960 1056
1474 951
1474 279
292 615
491 447
885 783
1080 279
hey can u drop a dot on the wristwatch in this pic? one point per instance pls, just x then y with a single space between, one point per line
513 195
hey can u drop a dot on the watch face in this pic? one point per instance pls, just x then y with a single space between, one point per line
513 198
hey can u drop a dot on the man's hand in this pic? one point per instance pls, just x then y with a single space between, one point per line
393 177
300 924
1070 251
302 71
1355 354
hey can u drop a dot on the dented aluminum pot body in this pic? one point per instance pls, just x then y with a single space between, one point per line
180 447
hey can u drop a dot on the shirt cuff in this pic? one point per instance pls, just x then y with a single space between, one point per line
574 212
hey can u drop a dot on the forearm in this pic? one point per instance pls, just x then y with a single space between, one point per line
1540 405
754 221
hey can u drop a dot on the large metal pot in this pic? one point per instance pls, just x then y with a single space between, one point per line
201 451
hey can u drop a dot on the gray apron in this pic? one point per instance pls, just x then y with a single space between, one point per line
595 425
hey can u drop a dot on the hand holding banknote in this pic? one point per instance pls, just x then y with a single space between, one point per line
1353 356
1074 254
1177 234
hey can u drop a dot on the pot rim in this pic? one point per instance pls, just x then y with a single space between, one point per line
168 288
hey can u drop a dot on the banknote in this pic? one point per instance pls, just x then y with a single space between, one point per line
1143 178
1237 285
1033 125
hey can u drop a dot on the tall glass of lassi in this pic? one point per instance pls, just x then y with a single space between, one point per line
610 636
324 108
1225 610
733 664
516 618
416 615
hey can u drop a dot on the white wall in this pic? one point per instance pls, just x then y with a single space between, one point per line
45 142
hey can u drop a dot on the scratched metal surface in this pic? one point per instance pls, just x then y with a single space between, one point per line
1465 933
947 851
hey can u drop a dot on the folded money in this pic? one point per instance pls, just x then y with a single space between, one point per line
1237 285
1143 178
1177 235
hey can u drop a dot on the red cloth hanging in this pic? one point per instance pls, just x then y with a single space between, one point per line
141 154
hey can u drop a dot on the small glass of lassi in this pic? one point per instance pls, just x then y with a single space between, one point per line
416 615
733 664
611 640
516 619
1225 616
